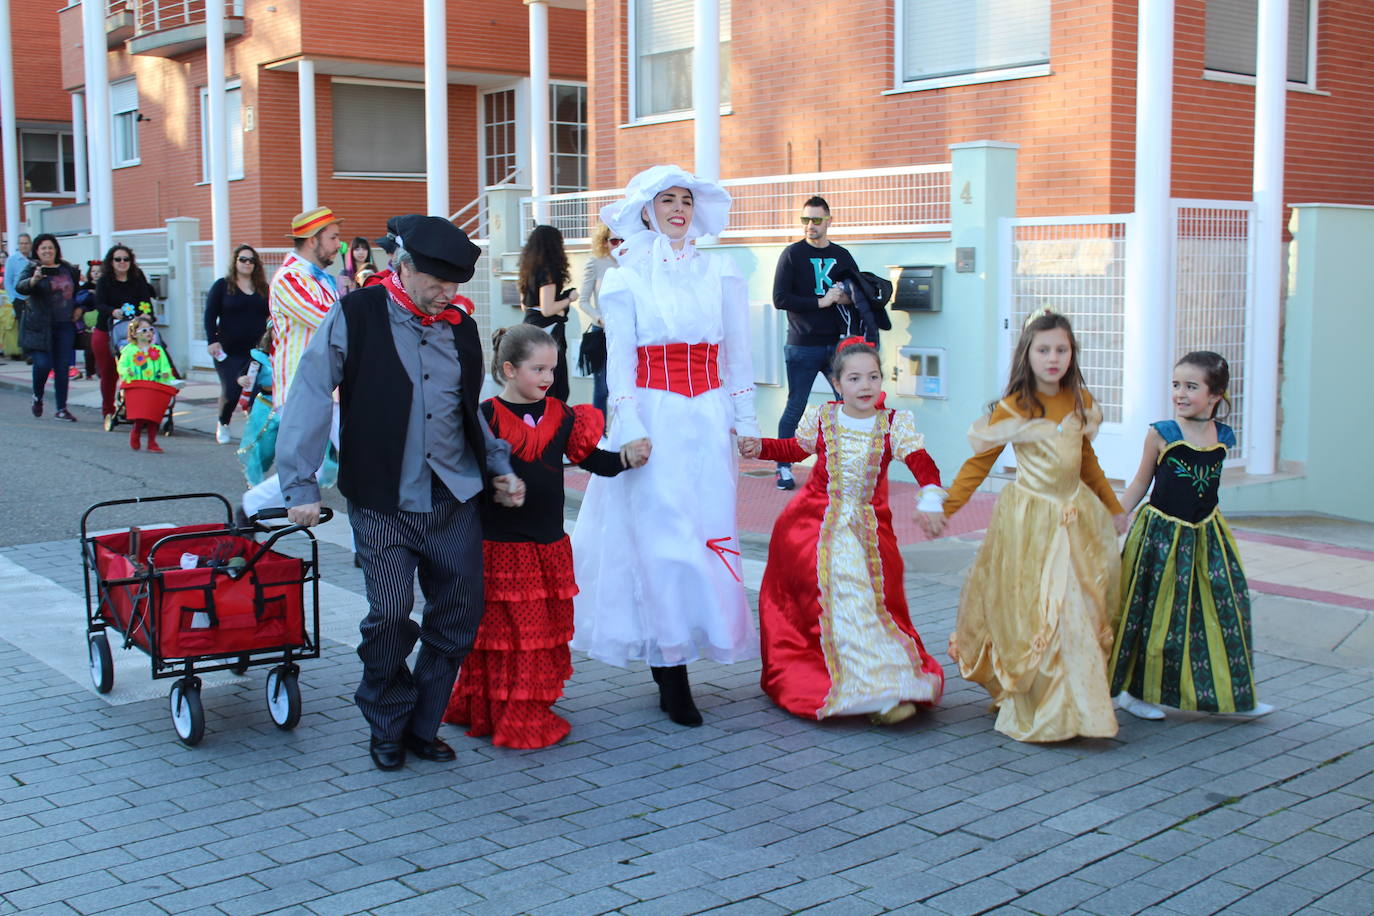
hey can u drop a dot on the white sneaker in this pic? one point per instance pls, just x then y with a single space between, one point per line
221 434
1138 708
1261 709
785 480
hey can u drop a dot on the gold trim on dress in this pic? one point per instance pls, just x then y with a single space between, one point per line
1150 507
1169 446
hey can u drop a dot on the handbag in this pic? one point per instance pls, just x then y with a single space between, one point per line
591 354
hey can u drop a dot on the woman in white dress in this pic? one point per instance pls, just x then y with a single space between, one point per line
655 551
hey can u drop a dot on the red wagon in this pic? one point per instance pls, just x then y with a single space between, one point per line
202 598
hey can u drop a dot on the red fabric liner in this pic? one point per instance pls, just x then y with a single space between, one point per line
239 623
685 369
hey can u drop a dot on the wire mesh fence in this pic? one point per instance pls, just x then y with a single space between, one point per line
1212 291
1077 267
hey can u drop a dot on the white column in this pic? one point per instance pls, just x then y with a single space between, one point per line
9 133
216 134
539 107
1262 367
98 128
79 146
310 185
706 89
436 108
1149 319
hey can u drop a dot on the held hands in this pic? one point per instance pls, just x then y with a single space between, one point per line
1119 522
635 454
750 446
508 490
932 523
214 349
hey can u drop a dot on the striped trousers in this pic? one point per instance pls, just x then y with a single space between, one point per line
444 547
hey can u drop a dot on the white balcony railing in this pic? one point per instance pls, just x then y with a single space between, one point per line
904 200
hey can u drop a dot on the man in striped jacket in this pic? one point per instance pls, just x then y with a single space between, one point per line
302 293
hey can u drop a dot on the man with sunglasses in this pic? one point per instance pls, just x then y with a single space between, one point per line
804 287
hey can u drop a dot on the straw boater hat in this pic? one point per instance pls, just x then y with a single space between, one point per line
308 224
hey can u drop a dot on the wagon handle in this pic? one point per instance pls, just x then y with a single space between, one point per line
228 511
326 514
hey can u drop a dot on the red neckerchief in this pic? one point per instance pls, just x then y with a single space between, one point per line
527 442
449 314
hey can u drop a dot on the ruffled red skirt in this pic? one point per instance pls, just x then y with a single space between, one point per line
520 661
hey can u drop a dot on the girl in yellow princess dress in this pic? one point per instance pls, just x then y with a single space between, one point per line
1034 625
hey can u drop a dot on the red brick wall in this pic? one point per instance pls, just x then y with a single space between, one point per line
1330 133
1075 127
39 101
488 36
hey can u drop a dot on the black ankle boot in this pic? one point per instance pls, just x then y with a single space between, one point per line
675 695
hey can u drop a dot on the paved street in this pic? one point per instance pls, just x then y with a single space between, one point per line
103 810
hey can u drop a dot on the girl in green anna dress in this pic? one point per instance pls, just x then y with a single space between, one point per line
1183 638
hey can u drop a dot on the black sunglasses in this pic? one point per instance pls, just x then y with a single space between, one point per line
243 260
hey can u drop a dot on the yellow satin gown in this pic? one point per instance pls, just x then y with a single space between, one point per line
1035 622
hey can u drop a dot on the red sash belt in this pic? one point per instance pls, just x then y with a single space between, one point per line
685 369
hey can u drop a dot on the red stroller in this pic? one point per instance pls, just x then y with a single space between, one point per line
202 598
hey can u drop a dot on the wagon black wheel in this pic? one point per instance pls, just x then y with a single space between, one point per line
283 697
102 663
240 667
188 715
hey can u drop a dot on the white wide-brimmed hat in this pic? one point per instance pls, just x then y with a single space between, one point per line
710 202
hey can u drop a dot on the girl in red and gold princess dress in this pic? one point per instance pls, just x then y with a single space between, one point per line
517 668
835 633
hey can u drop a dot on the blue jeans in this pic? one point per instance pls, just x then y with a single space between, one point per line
599 390
802 365
56 359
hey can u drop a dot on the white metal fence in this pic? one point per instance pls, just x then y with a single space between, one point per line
1212 291
1076 266
905 200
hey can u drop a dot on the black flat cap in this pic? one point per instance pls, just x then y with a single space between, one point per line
394 227
438 248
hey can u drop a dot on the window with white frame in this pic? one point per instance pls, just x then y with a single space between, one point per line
124 122
1232 30
233 126
957 42
661 46
499 149
379 128
568 138
49 162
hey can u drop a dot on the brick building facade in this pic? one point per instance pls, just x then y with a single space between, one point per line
817 87
375 55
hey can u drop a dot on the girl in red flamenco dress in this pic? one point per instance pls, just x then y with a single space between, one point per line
835 634
517 667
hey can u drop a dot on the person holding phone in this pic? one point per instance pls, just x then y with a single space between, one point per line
543 274
48 334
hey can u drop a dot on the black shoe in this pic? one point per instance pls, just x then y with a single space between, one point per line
675 695
435 749
37 407
785 480
387 755
64 414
